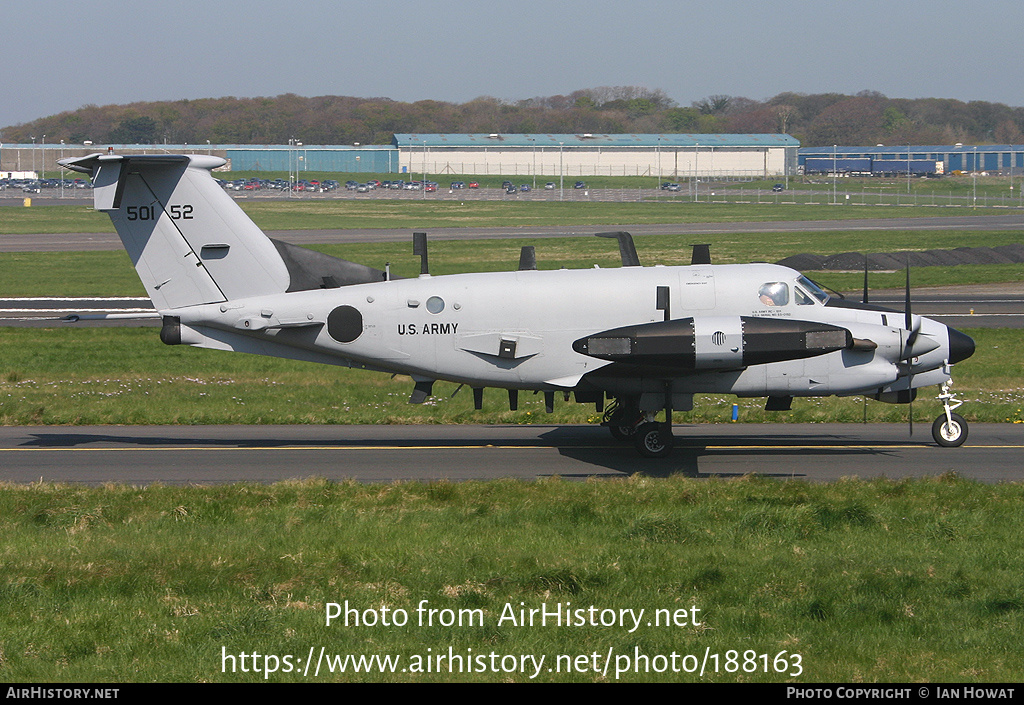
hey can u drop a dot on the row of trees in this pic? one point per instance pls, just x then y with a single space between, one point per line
818 119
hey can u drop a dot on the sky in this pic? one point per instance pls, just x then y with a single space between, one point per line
61 55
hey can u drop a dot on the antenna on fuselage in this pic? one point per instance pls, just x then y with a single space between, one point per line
419 247
527 258
701 254
627 250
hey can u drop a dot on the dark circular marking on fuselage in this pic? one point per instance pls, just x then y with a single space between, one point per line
345 324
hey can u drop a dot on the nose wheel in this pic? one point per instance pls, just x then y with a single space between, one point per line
949 430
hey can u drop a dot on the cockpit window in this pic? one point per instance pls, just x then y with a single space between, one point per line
813 289
801 298
774 293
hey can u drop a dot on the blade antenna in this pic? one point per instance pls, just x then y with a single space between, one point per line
527 258
419 247
700 254
627 250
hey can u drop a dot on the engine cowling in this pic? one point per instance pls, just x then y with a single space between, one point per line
715 342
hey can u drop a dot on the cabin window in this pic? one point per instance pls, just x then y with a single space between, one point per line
435 304
774 293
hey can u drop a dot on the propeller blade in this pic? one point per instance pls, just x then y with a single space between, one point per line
906 302
909 320
864 299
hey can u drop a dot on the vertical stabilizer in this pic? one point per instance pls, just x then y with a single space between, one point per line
189 241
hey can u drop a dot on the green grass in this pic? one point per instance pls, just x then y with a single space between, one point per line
126 376
111 274
317 214
876 581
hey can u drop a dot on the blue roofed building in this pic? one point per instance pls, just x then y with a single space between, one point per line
989 158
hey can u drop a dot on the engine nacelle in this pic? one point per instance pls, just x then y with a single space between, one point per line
715 342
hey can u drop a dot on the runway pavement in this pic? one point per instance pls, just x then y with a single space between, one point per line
109 241
139 455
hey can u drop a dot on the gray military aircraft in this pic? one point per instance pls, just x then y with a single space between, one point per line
648 338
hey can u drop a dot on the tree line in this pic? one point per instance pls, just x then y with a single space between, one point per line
816 119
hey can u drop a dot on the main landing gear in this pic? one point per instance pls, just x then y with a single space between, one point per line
625 421
949 430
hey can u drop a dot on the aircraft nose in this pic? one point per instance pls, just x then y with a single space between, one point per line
961 346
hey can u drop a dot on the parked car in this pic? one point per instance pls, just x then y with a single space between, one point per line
778 187
579 184
474 184
549 185
524 188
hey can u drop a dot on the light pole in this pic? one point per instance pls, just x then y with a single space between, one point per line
974 175
833 175
62 175
696 180
908 169
423 186
658 182
33 156
43 160
534 141
561 177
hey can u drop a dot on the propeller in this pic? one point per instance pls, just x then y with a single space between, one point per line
909 349
864 299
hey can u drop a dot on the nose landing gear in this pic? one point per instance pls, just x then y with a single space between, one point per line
949 430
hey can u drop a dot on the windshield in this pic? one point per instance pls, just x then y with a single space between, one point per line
812 289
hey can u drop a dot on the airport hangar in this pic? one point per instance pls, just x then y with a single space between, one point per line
665 156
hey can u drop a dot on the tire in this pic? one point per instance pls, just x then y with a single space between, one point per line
652 441
623 424
950 435
622 433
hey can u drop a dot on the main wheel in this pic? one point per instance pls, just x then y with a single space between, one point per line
952 433
623 423
652 440
622 433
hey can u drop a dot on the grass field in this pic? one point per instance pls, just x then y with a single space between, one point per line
779 581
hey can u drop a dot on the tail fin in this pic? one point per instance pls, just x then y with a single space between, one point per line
189 241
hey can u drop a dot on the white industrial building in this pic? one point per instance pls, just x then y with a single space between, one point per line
668 156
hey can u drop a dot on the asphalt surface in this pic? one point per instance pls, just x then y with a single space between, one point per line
109 241
139 455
